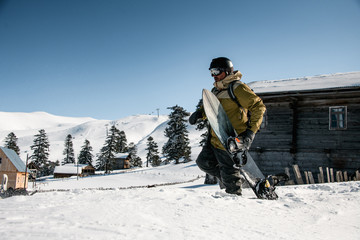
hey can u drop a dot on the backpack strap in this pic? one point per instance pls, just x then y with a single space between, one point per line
233 97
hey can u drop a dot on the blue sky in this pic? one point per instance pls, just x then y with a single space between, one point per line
111 59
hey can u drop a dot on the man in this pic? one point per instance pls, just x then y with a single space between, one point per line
213 159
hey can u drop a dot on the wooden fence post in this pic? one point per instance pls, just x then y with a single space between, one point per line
339 177
306 177
297 172
328 174
332 174
346 176
290 182
321 180
311 178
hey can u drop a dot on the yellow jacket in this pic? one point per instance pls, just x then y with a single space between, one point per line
238 116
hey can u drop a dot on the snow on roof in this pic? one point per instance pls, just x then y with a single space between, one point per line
69 168
121 155
337 80
15 159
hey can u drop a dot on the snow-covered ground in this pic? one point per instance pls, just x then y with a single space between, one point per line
75 209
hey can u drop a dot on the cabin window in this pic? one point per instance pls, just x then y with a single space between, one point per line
0 160
338 118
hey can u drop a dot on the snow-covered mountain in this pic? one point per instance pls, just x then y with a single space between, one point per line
325 81
137 129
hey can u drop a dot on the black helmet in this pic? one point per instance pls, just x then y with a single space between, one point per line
223 63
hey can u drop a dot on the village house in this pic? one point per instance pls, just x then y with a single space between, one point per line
312 122
121 161
69 170
14 168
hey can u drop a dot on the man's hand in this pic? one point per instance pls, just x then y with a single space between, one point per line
242 142
194 117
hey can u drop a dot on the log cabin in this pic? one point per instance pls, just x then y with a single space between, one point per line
14 168
69 170
121 161
312 122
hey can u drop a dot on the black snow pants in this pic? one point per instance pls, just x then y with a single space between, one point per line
217 162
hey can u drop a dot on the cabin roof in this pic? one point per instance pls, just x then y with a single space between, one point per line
121 155
15 159
307 84
70 168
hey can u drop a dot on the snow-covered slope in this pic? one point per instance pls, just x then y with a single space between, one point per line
137 129
16 121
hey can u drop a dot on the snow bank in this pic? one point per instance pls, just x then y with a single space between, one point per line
184 211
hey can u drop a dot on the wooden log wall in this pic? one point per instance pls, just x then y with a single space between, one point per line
297 133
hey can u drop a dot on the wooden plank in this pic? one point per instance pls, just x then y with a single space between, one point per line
357 175
346 176
321 179
297 173
328 174
339 177
306 177
311 178
287 171
290 182
332 174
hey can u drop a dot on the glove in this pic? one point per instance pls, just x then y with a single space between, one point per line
242 142
194 117
247 138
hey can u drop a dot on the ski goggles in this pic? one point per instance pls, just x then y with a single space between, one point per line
216 71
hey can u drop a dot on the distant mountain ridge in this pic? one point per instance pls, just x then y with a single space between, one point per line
137 129
34 120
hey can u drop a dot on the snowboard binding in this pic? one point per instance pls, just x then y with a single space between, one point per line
265 188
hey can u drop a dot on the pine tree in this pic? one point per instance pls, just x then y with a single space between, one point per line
11 142
177 146
134 159
121 142
105 159
40 154
68 151
201 124
152 155
85 156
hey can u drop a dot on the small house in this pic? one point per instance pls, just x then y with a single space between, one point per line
312 122
69 170
121 161
14 168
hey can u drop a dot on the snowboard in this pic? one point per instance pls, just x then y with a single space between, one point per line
262 186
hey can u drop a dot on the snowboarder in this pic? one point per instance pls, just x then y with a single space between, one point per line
213 159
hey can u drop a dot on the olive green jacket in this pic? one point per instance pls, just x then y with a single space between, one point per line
238 116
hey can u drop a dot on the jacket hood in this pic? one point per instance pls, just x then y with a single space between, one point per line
223 84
